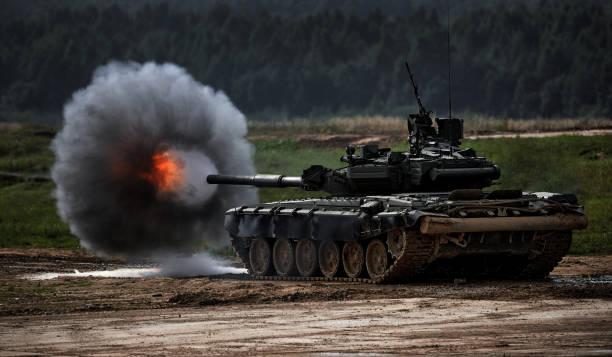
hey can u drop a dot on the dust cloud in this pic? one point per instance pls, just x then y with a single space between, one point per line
132 160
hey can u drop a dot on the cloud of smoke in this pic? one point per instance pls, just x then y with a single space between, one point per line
132 160
201 263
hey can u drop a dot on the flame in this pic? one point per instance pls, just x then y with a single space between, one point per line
166 172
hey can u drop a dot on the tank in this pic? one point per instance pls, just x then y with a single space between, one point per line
403 216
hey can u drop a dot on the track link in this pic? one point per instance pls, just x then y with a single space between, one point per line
556 245
418 252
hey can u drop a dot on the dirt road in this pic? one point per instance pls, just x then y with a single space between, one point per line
332 328
339 141
570 314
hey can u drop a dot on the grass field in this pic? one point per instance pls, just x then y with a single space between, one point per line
577 164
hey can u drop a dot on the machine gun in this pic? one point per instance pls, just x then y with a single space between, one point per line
420 125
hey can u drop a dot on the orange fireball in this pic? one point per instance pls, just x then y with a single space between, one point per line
166 172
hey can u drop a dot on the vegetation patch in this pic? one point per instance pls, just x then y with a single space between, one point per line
28 218
568 164
396 126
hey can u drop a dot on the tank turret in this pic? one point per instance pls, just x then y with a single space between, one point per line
373 170
435 162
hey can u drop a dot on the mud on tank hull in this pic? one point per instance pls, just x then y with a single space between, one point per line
406 237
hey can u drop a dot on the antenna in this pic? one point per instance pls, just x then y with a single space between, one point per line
422 110
450 112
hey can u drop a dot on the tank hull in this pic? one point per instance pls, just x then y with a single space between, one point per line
406 237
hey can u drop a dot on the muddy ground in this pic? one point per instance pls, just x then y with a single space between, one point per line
569 314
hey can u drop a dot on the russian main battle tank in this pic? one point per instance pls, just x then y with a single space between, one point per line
401 216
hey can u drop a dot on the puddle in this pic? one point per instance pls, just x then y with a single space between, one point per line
122 273
596 353
117 273
172 265
580 280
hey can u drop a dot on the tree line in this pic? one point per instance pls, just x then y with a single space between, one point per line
549 59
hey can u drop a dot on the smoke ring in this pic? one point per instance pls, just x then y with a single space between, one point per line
113 128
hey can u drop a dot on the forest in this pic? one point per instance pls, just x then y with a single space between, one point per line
513 59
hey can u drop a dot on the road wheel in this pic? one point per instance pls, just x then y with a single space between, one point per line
353 259
260 257
329 258
306 257
377 260
283 256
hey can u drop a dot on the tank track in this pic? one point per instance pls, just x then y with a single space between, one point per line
555 246
420 252
548 248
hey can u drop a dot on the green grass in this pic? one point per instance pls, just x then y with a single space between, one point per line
597 238
26 148
285 157
569 164
28 218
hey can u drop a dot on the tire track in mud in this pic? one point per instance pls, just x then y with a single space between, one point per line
415 326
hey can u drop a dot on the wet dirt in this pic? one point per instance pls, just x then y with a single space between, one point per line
569 314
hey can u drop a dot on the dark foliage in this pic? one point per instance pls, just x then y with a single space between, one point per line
552 58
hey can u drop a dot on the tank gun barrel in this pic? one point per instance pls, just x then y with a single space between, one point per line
256 180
